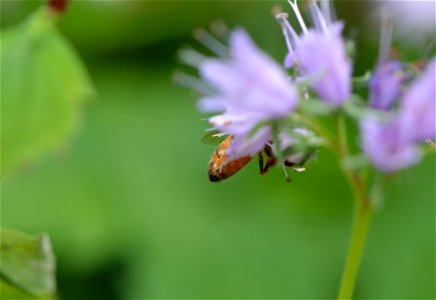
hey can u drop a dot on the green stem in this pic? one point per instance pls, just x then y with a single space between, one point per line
342 144
362 216
360 229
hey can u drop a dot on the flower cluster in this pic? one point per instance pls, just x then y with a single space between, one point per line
256 100
393 145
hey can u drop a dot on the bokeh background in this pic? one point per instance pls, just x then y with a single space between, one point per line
128 205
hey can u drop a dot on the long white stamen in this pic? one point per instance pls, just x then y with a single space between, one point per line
385 36
211 42
285 32
287 177
294 6
327 10
291 37
317 17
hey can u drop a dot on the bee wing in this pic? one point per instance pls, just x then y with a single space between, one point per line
213 137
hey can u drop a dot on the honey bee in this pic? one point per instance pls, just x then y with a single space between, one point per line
220 168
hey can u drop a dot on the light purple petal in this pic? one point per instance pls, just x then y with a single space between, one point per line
212 104
418 106
387 146
235 123
289 60
221 75
385 85
246 145
323 55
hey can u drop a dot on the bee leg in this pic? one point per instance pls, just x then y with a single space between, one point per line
269 163
268 151
261 167
289 164
271 160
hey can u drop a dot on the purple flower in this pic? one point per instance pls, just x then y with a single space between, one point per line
249 88
394 145
322 54
417 110
387 145
319 54
385 85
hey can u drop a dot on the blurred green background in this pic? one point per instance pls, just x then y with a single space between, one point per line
128 205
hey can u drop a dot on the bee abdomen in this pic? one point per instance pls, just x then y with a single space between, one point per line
218 173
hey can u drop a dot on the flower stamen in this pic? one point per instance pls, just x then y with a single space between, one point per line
385 37
291 37
287 177
297 13
318 18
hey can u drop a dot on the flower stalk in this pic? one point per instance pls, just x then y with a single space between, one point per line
362 219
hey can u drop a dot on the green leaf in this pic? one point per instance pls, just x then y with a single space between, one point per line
27 264
43 84
8 291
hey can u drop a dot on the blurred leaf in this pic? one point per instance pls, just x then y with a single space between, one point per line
358 109
27 263
315 106
355 107
43 83
8 291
